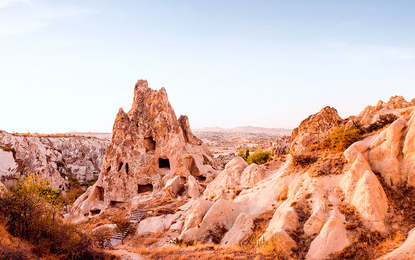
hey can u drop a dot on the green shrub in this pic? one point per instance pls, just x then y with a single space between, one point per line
341 138
259 157
29 214
244 153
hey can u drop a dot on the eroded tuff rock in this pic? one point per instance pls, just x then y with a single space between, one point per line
318 207
149 146
313 129
52 155
394 105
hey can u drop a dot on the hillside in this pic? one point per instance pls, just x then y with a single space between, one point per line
337 188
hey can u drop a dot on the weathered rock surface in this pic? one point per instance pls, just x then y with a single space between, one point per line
281 146
313 129
331 239
52 155
394 105
156 224
301 200
149 146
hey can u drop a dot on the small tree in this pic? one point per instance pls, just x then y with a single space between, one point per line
102 235
122 225
244 153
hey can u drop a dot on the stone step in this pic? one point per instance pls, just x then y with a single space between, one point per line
117 237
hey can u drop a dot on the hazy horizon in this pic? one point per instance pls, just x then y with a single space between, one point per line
70 65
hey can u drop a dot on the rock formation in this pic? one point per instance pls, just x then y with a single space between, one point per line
313 129
149 147
52 155
309 214
322 208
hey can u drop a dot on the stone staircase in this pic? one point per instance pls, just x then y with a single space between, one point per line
118 236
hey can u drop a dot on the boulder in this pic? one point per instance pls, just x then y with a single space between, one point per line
240 230
228 179
156 224
173 186
331 239
193 188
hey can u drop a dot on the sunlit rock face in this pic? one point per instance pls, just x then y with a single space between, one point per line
313 129
149 146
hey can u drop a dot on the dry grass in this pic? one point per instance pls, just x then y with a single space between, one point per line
199 251
371 245
260 225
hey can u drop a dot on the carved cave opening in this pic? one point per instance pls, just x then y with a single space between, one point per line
108 170
126 168
164 163
200 178
149 144
120 166
116 204
95 212
145 188
100 193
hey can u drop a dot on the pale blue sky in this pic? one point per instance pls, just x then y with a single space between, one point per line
69 65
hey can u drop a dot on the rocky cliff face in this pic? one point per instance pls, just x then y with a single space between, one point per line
150 149
349 210
371 193
313 129
53 156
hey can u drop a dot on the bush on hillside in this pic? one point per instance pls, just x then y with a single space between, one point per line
382 121
244 153
303 159
30 214
259 157
341 138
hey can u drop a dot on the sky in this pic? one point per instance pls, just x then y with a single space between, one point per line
70 65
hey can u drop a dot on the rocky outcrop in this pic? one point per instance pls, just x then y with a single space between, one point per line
313 129
280 147
395 105
313 205
149 147
52 155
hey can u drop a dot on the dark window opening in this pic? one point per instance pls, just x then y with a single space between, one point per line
200 178
126 167
164 163
95 212
120 166
145 188
108 169
149 144
100 194
116 204
136 124
86 214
